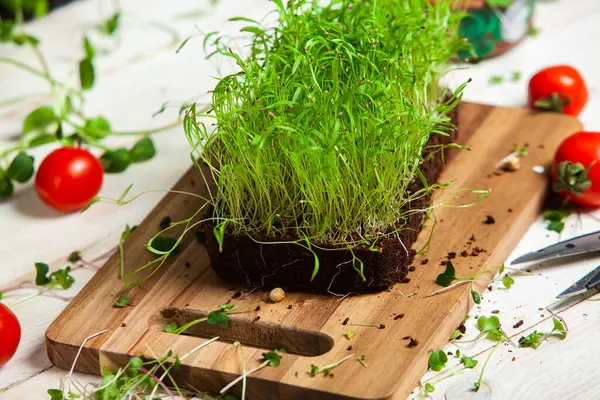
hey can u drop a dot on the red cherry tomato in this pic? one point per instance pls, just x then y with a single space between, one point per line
69 178
560 88
576 169
10 334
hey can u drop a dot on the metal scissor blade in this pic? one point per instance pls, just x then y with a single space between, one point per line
586 283
579 245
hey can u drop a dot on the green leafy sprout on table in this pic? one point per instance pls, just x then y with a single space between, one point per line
63 123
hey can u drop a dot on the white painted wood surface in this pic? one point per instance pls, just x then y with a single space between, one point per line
142 71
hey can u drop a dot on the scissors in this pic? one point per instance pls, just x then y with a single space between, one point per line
579 245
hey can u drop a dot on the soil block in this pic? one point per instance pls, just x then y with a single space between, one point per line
246 262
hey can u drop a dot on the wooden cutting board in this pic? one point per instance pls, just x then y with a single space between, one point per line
311 326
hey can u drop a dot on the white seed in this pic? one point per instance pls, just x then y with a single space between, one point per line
513 164
277 295
539 169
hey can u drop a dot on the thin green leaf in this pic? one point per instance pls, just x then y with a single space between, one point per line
41 272
86 74
142 150
21 168
39 119
88 48
448 276
508 281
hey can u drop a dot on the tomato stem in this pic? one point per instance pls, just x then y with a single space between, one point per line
555 102
572 177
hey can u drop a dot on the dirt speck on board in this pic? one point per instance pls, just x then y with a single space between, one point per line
349 348
381 326
489 220
464 253
399 316
412 342
518 324
411 268
495 311
256 318
451 255
290 307
236 295
425 261
346 321
165 223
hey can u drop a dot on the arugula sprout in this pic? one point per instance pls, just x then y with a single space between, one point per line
495 80
273 357
61 277
448 276
533 340
556 219
122 301
350 334
491 327
41 271
559 328
429 388
468 362
361 359
437 360
171 327
326 370
508 281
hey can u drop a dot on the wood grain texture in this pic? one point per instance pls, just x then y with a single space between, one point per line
186 288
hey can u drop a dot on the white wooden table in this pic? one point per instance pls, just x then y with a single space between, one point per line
142 71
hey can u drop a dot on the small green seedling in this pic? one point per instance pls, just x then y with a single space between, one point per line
122 301
437 360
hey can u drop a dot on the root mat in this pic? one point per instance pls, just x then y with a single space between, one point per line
311 327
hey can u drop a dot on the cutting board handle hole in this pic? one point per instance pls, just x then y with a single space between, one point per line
244 329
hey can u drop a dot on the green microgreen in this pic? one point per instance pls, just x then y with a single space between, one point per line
326 370
139 378
532 31
468 362
448 276
521 151
437 360
556 218
61 277
219 317
535 338
350 334
499 3
455 334
122 301
516 76
446 279
324 127
490 326
124 235
361 359
429 388
270 359
495 80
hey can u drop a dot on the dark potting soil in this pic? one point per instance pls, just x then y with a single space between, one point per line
6 14
290 266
